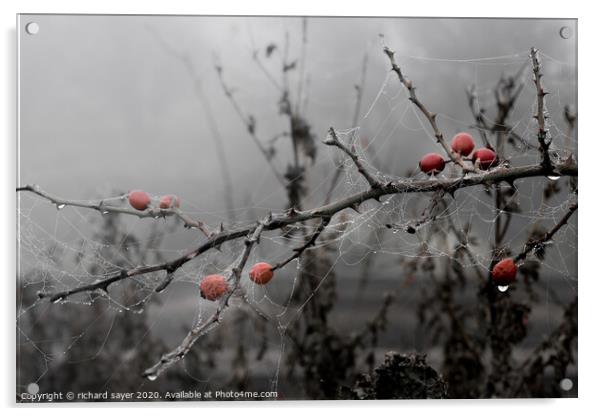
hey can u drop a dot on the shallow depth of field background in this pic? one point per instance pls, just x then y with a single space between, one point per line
105 108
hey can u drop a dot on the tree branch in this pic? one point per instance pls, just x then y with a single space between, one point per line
542 132
310 242
202 326
431 117
103 208
333 140
537 244
282 220
477 113
359 89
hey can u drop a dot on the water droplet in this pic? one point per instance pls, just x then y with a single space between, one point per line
502 288
566 384
151 377
60 206
553 177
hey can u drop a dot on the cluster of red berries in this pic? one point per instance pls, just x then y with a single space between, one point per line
462 144
214 286
140 200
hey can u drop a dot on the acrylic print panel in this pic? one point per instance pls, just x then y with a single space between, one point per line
275 208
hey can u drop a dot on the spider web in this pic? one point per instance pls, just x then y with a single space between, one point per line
65 247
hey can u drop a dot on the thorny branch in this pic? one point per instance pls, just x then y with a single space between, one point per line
333 140
542 133
359 89
431 117
297 252
282 220
506 93
537 245
202 326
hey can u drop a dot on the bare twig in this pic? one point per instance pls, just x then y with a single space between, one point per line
205 104
506 93
249 122
333 140
103 207
431 117
477 113
202 326
542 133
297 252
428 214
359 89
301 65
265 71
537 244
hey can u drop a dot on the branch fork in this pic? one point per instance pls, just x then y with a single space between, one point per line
333 140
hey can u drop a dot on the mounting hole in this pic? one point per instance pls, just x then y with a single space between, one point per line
566 384
33 388
32 28
566 32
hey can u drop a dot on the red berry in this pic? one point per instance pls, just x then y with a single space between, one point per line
485 157
432 163
261 273
139 200
504 272
462 143
213 287
169 201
